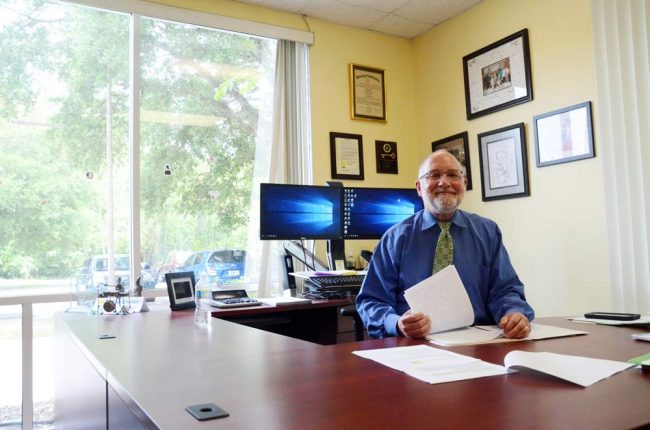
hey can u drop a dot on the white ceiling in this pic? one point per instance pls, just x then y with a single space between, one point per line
405 18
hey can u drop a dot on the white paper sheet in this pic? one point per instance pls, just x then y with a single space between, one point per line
443 298
284 301
641 336
493 334
641 321
432 365
579 370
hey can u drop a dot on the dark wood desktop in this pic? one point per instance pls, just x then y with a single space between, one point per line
159 363
318 322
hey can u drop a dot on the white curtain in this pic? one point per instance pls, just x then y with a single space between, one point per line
622 41
291 148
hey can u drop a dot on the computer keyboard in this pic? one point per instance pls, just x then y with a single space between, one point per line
235 302
337 281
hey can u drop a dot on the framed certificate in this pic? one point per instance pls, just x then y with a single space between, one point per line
367 93
346 155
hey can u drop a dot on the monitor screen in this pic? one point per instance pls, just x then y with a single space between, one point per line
369 212
300 212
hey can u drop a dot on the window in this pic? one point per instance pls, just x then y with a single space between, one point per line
206 100
206 103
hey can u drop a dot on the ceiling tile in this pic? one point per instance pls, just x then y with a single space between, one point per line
380 5
292 6
386 16
400 26
342 13
433 11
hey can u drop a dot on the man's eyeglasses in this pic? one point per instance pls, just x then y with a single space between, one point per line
453 175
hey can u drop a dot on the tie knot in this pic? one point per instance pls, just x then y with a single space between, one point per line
444 225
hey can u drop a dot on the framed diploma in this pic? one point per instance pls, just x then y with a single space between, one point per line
367 93
346 154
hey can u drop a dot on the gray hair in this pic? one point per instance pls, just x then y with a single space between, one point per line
424 165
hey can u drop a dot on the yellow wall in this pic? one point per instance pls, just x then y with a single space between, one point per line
556 237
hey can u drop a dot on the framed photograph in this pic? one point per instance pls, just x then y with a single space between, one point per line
367 93
458 145
504 169
180 287
346 155
498 76
386 156
564 135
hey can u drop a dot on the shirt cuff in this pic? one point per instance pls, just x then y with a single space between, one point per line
390 324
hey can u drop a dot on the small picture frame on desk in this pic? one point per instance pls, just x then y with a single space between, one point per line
180 287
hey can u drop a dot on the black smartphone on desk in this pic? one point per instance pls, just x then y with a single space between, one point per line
618 316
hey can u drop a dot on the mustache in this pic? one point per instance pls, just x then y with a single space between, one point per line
444 190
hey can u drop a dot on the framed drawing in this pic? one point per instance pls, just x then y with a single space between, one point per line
180 287
459 146
386 156
367 93
564 135
504 169
498 76
346 155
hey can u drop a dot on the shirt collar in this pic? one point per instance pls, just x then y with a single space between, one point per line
429 220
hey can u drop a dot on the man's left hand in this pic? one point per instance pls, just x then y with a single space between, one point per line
515 325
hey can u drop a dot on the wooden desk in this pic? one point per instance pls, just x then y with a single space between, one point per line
159 363
318 322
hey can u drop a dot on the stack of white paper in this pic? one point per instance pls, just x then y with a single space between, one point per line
436 366
493 334
443 298
432 365
579 370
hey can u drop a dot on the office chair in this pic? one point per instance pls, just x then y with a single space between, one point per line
359 330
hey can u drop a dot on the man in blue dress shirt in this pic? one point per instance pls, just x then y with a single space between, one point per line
405 256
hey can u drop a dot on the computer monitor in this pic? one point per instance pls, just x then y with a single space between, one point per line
300 212
369 212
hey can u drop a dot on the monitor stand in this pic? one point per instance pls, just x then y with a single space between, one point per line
336 254
296 250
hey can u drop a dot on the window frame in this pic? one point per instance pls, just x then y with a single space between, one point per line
137 9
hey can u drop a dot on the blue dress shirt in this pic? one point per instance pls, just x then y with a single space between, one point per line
404 257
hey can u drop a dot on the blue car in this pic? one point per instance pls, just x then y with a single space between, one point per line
221 266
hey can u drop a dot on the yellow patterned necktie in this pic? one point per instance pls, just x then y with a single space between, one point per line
444 249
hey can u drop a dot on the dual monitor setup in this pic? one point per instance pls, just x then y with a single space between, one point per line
333 213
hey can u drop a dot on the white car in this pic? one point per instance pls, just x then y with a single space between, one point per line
94 273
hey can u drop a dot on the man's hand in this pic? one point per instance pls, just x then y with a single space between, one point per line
414 324
515 325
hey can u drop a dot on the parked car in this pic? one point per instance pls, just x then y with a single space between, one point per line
221 266
173 261
94 273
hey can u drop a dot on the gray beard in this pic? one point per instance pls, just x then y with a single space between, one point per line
443 209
